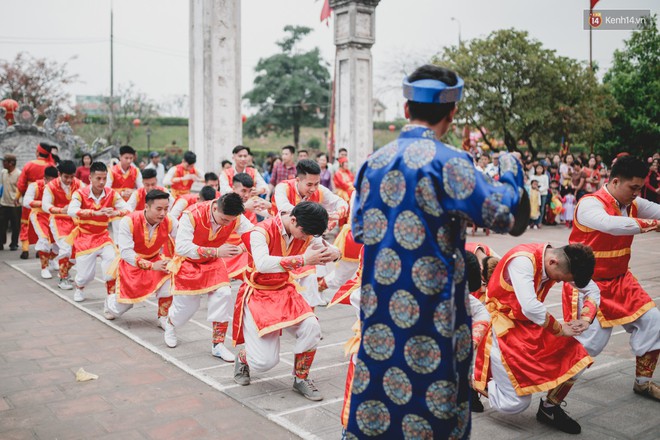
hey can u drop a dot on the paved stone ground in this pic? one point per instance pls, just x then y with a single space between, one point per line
147 390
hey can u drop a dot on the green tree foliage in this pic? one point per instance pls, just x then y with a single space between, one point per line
291 89
521 91
634 81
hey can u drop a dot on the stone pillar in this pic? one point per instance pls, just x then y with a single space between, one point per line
354 35
215 126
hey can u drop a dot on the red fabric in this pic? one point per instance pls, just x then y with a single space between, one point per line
231 172
142 197
293 196
343 183
82 173
63 223
39 220
92 231
124 180
593 3
536 359
190 200
326 12
282 173
182 187
135 284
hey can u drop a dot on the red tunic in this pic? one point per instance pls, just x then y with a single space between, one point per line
135 284
124 180
39 219
204 274
32 171
237 265
343 183
622 300
272 298
182 187
91 232
343 294
141 195
231 172
534 357
64 224
293 196
472 247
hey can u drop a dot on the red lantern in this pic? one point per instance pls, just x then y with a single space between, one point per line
136 122
243 119
10 106
392 127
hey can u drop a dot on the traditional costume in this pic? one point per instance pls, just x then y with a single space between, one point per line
39 220
182 203
138 199
474 247
227 179
181 187
343 181
124 180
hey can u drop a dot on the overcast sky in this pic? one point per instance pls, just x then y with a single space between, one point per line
151 36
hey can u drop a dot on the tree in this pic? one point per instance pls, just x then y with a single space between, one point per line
523 92
634 81
39 82
291 89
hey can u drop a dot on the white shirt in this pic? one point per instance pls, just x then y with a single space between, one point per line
543 181
184 237
30 194
138 180
167 181
160 171
330 201
127 244
591 213
47 200
259 183
74 206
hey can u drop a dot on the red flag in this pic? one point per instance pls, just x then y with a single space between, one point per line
326 12
593 3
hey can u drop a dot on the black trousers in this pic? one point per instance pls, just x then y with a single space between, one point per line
10 215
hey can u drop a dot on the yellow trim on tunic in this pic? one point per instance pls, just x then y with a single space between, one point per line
626 319
198 291
92 250
612 254
142 298
285 324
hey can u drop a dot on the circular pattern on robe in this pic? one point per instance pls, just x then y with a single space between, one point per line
350 436
368 300
429 134
459 268
372 417
416 428
429 275
458 178
383 156
496 216
444 240
409 230
443 318
397 386
463 341
419 153
441 399
426 197
393 188
365 188
387 266
361 377
374 226
404 309
508 163
422 354
378 342
463 414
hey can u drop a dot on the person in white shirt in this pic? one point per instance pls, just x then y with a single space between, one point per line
154 163
241 156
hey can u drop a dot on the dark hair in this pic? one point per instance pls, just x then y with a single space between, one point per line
46 147
51 172
190 157
432 113
341 150
231 204
149 173
303 151
291 148
98 166
225 162
82 159
239 148
489 264
156 194
67 167
126 149
311 217
244 179
207 193
307 166
318 156
210 176
581 261
628 167
472 271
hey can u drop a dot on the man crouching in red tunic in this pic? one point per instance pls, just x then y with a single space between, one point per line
526 350
143 237
269 301
198 267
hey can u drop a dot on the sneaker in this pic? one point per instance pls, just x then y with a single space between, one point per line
241 372
170 334
649 389
78 295
557 417
222 352
25 255
54 265
161 321
477 406
307 388
107 314
65 284
45 274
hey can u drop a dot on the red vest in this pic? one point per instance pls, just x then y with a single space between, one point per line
124 180
32 171
38 218
91 232
183 186
293 196
63 223
141 195
231 172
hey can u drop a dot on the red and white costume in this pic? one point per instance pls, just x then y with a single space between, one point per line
473 247
343 182
121 180
182 203
524 351
237 265
32 171
138 199
227 179
39 220
177 186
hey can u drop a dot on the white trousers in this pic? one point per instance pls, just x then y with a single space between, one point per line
118 309
43 243
344 270
263 352
86 265
220 306
644 334
310 290
64 248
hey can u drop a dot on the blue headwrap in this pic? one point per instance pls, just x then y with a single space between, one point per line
431 91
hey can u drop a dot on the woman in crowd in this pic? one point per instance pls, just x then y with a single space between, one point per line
82 172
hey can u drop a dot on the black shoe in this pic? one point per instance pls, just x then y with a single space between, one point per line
557 417
25 255
477 406
13 248
2 247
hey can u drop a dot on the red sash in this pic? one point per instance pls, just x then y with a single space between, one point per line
91 232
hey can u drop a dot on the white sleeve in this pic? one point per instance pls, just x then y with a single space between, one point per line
225 186
478 310
260 183
244 225
591 291
591 213
184 239
282 201
331 201
30 193
120 204
521 274
138 180
125 241
108 181
175 227
647 209
178 207
167 181
74 206
47 199
263 261
132 201
170 202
